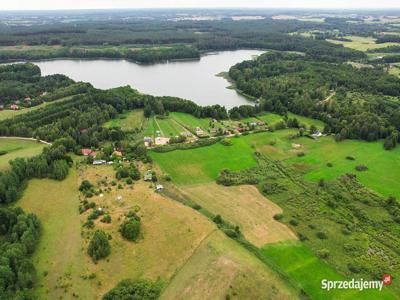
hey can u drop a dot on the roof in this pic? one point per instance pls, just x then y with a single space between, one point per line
117 153
86 151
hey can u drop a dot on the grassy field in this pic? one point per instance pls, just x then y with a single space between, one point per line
128 121
300 264
221 269
383 166
272 119
204 164
243 206
190 121
169 127
59 258
17 148
362 43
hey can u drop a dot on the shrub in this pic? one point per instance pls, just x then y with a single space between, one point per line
330 165
361 168
226 142
301 154
350 157
106 219
134 289
99 246
130 228
278 217
323 253
294 222
321 235
217 219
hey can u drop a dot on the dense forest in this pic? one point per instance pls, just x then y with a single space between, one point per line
326 91
22 84
159 40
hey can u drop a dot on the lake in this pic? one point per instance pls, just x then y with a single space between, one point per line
193 80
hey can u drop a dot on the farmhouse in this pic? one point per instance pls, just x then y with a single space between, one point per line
317 134
117 153
148 141
88 152
160 141
14 107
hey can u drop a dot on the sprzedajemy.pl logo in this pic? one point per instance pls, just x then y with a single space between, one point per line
356 284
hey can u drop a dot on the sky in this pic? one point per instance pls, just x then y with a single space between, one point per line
115 4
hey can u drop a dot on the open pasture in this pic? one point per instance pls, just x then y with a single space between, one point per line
127 121
243 206
301 265
362 43
203 164
17 148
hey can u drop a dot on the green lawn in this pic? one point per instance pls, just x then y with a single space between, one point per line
202 165
270 118
18 148
169 127
362 43
383 172
307 121
127 121
301 265
189 121
150 127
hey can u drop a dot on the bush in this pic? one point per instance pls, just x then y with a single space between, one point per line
217 219
321 235
323 253
85 186
294 222
226 142
106 219
361 168
99 246
278 217
350 158
134 289
130 228
330 165
301 154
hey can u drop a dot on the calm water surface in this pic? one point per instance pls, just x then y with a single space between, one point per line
193 80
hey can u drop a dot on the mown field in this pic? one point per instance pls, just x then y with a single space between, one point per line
178 246
17 148
383 166
362 43
204 164
128 121
243 206
301 265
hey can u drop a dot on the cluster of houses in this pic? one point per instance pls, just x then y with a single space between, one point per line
92 153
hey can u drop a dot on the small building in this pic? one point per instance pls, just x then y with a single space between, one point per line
99 162
254 124
148 176
317 134
213 130
14 107
186 134
160 141
148 141
159 188
88 152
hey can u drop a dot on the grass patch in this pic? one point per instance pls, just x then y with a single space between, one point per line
362 43
17 148
202 165
127 121
383 166
300 264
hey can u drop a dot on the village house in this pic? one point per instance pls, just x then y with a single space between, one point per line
117 153
88 152
14 107
160 141
148 141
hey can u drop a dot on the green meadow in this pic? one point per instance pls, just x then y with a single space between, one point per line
189 121
300 264
383 172
170 127
17 148
128 120
203 164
